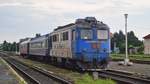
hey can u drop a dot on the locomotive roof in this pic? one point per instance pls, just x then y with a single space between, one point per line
87 22
101 25
61 27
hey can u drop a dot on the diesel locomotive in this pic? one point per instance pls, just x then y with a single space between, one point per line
84 44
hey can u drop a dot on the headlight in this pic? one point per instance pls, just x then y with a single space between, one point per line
95 45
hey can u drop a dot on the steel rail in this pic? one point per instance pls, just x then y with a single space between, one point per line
20 65
30 78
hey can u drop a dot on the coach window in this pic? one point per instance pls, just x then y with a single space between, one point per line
32 45
39 44
43 44
65 36
61 36
55 38
46 43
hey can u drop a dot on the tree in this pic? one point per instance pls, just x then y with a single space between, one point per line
133 40
13 46
1 47
119 39
6 46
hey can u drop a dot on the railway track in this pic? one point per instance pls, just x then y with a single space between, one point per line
134 61
119 76
34 75
123 77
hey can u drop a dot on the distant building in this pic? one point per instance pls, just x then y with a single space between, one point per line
147 44
133 50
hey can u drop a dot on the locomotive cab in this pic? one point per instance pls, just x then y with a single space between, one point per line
91 45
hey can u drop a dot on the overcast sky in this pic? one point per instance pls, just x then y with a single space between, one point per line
24 18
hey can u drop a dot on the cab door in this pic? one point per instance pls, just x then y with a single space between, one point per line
73 42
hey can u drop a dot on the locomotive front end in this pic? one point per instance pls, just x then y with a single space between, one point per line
92 45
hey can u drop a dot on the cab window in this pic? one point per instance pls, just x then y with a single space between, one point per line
86 34
102 34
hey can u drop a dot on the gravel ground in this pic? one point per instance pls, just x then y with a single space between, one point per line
142 69
6 76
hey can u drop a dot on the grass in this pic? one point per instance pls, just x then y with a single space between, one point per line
86 79
1 62
132 57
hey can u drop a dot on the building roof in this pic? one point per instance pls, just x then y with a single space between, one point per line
147 36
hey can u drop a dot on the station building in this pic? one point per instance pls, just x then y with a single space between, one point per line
147 44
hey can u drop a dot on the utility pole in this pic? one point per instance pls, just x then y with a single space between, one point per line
126 41
126 60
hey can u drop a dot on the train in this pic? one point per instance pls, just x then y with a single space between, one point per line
84 44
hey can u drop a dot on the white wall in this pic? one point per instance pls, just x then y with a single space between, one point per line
147 46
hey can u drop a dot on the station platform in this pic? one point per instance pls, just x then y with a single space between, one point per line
6 75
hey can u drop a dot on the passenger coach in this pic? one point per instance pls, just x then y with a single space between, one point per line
39 46
24 47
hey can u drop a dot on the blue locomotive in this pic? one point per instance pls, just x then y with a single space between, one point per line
84 44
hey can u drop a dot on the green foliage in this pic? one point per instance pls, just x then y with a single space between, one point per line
6 46
0 47
86 79
141 49
133 41
131 57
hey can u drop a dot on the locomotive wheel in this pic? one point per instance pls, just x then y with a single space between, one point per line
25 56
105 63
